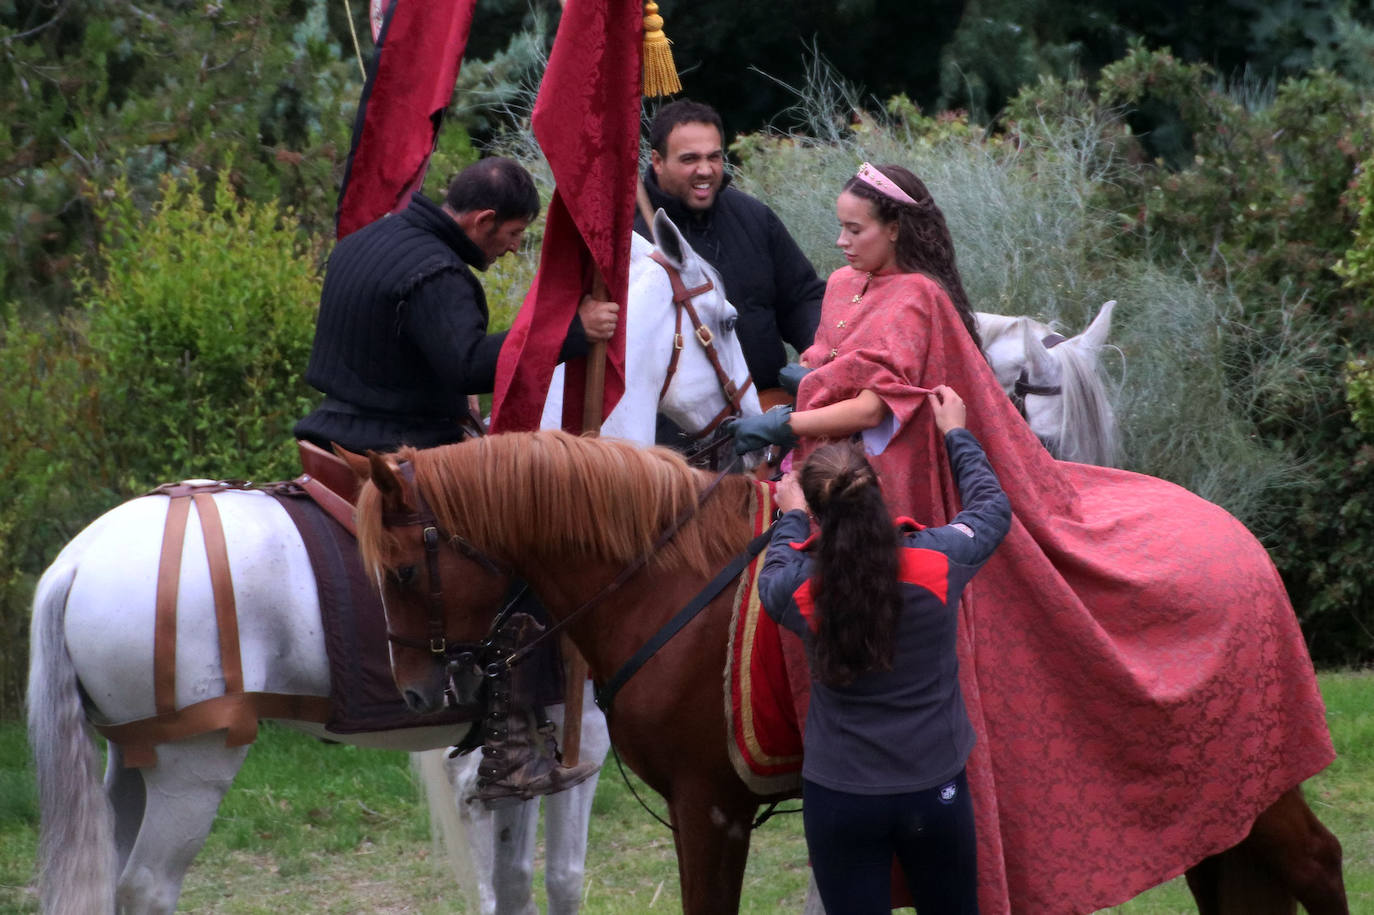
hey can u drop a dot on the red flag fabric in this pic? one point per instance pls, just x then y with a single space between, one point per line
586 120
409 85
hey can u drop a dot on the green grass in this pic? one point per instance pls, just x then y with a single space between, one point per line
310 827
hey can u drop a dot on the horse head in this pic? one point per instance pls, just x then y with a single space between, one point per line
708 378
1056 382
691 371
418 567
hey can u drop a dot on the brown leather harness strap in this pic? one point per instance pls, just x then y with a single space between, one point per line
236 712
682 298
335 505
244 728
165 626
138 739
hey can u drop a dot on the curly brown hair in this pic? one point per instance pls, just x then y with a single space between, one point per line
924 244
854 583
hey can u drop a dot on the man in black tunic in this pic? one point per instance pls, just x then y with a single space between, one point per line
400 344
401 339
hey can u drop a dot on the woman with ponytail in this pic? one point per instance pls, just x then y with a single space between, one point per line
887 735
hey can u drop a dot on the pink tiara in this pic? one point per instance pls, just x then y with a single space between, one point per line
882 184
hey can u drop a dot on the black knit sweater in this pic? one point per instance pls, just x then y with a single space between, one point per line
401 337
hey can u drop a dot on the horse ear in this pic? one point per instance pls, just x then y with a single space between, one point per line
1095 337
1040 363
357 463
386 476
669 240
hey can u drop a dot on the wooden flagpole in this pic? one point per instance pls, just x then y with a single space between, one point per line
593 398
660 78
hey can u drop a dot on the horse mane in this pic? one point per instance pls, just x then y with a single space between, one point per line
1087 431
549 495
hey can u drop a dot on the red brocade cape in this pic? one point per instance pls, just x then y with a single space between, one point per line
1129 657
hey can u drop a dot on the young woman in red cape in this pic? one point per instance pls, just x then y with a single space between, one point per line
1140 688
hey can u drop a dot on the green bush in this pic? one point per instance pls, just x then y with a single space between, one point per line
163 88
184 359
1357 266
1359 394
202 318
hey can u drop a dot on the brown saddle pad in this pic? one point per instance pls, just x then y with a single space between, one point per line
362 692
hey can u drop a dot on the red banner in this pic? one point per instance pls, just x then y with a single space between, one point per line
409 85
586 120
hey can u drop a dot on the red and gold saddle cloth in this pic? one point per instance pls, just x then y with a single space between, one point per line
765 731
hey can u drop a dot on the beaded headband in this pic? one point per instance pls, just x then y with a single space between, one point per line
882 184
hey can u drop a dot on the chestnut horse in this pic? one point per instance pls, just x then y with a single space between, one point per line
570 515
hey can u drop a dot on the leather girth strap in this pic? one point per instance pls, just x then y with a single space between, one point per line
235 712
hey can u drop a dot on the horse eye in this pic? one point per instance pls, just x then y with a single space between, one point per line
728 325
405 575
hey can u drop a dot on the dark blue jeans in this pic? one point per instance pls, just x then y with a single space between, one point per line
853 837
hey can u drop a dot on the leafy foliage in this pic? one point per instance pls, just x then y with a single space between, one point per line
1357 266
1002 46
184 360
200 334
89 91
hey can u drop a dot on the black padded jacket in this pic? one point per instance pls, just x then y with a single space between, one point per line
401 338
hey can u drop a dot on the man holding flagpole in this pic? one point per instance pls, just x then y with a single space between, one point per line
401 338
586 120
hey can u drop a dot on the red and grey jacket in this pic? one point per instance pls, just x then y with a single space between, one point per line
903 729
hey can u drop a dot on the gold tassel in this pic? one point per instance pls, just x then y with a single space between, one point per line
660 76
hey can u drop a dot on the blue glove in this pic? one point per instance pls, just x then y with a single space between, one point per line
772 428
790 376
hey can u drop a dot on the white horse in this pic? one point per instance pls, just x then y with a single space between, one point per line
126 845
1057 382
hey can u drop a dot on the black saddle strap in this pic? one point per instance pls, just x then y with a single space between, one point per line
605 695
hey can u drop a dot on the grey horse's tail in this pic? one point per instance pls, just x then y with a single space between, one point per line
76 851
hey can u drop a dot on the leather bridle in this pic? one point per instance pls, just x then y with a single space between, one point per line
436 640
1023 385
682 299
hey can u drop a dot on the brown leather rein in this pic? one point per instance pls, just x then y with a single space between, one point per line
1023 385
682 298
